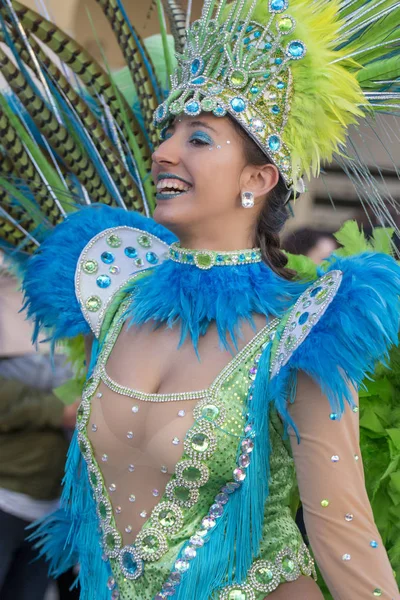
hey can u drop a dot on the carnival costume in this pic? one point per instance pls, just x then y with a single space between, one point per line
205 476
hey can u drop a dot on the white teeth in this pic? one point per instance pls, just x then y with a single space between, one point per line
172 184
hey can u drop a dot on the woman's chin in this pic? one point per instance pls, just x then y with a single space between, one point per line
172 211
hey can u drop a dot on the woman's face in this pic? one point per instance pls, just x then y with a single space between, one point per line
197 171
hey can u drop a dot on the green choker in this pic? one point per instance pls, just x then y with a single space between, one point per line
206 259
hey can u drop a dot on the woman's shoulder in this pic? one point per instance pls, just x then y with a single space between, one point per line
89 258
343 323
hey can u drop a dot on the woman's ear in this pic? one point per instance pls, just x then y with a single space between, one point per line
259 179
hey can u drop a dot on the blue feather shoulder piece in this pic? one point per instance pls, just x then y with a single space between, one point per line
341 326
49 284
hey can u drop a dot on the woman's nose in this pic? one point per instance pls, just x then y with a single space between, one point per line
166 153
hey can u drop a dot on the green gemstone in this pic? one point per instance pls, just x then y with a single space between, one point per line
167 518
82 446
93 478
377 592
210 411
114 241
176 107
204 260
182 493
103 510
90 267
80 413
285 25
288 565
93 303
139 262
237 595
191 474
144 241
264 575
200 442
150 543
238 78
110 541
208 104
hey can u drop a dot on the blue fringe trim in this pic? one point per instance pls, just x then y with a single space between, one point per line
49 284
71 536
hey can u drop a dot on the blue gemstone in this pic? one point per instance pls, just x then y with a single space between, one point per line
315 291
190 258
333 416
278 61
107 258
219 111
219 259
240 28
242 257
249 28
254 255
197 66
199 80
130 252
160 112
152 258
257 34
103 281
267 74
373 544
192 107
254 89
278 5
238 104
246 40
129 563
176 254
267 46
274 143
281 85
296 49
275 109
304 318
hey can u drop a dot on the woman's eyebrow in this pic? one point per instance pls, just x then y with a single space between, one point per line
201 124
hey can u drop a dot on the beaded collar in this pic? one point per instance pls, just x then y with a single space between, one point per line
206 259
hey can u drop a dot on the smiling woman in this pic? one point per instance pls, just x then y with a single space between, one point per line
218 384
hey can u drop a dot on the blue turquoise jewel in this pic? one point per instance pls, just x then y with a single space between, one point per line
219 259
130 252
267 46
103 281
333 417
257 34
219 111
240 28
274 143
373 544
246 40
197 66
315 291
190 258
242 257
238 104
254 255
254 89
152 258
249 28
160 112
278 61
129 563
199 80
281 85
107 258
278 5
296 49
267 74
275 109
192 107
176 254
304 318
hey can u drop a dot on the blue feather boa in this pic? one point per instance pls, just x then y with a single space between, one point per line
49 283
177 294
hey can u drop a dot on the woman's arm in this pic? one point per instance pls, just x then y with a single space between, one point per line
337 512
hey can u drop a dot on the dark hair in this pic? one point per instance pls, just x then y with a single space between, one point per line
304 239
274 213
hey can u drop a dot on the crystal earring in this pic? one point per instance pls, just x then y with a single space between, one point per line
247 199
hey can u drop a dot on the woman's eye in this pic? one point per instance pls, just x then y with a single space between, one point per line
198 142
201 139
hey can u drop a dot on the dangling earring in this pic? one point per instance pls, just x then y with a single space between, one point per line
247 199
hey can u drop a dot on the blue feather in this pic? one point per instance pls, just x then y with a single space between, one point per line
193 298
49 281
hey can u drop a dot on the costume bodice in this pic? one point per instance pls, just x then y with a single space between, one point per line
157 462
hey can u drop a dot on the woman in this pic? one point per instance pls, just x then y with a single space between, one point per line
204 353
